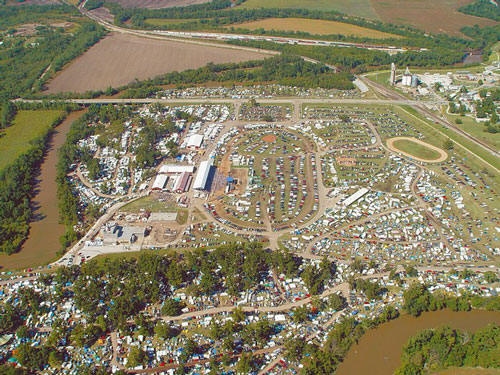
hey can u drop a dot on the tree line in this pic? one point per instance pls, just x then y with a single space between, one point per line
359 60
433 350
285 70
16 191
482 8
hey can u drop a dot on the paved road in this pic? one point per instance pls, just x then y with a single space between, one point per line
201 100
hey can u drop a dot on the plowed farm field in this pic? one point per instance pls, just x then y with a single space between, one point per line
120 59
436 16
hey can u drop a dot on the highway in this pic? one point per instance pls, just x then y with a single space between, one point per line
201 100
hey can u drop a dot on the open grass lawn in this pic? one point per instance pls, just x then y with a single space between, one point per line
477 130
415 149
315 27
149 203
361 8
27 126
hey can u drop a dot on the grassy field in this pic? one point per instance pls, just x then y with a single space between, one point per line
415 149
360 8
315 27
27 126
152 204
476 129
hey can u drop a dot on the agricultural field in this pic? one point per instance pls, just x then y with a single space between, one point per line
157 4
103 65
360 8
314 27
434 16
27 126
438 16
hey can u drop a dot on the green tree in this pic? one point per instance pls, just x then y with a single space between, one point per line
136 357
417 299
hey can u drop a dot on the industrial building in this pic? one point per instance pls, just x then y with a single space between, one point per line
159 182
200 182
182 183
176 169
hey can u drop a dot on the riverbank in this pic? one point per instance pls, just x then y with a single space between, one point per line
43 243
378 352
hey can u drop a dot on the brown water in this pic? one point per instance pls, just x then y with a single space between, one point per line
379 350
43 241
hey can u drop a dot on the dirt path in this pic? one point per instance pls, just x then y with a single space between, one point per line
442 154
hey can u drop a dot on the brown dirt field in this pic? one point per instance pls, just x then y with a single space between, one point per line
241 174
437 16
119 59
270 138
157 4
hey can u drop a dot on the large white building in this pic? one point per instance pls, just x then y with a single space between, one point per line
176 169
160 182
354 197
200 182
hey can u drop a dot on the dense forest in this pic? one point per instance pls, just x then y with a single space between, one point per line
359 60
482 8
436 349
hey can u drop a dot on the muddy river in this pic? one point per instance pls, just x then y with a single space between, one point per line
379 350
43 241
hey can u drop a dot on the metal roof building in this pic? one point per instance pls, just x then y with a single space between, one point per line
173 168
200 182
182 182
160 182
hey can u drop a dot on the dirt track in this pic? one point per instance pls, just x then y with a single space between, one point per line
119 59
443 154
